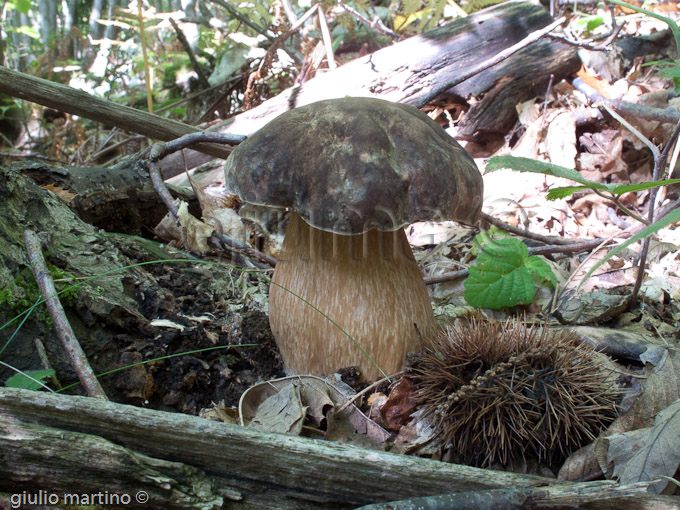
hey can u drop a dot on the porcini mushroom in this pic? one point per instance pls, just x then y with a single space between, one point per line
354 172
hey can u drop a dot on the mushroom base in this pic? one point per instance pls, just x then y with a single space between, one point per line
368 284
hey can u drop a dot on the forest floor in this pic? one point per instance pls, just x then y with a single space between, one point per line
193 308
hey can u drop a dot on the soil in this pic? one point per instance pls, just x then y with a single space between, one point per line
197 299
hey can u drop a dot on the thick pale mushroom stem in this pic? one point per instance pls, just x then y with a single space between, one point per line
369 284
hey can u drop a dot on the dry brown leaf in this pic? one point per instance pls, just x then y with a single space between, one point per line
62 193
191 233
318 398
282 411
661 390
581 465
658 453
560 140
400 405
221 218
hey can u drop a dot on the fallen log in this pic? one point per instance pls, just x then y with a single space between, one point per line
410 71
413 71
69 444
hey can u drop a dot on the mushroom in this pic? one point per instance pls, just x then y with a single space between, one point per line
353 172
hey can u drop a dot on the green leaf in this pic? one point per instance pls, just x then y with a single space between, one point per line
671 217
563 191
22 382
541 271
625 188
28 31
540 167
590 22
504 275
23 6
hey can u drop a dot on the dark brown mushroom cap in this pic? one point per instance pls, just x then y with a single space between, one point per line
353 164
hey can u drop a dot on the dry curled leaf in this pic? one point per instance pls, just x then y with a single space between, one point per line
283 405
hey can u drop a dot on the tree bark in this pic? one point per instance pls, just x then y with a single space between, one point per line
265 470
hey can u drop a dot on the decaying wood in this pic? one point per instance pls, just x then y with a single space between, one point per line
62 462
121 199
409 71
261 470
525 497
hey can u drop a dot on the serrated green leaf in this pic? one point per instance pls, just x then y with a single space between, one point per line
540 270
22 382
539 167
669 72
499 279
488 287
507 250
504 274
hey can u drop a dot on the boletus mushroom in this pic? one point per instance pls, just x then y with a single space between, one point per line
353 172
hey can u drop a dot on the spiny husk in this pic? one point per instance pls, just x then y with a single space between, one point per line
501 391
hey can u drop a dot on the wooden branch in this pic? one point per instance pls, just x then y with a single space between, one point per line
269 470
78 102
61 325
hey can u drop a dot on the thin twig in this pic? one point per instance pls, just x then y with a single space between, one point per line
376 24
659 163
524 233
42 354
573 247
545 100
366 390
61 325
326 37
587 45
666 116
617 203
30 155
161 149
244 19
190 53
159 184
233 245
632 129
